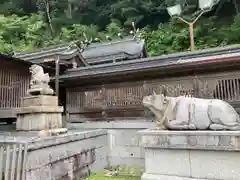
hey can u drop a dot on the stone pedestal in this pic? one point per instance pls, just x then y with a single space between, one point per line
39 113
191 155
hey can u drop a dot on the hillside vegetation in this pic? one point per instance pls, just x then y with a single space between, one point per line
30 24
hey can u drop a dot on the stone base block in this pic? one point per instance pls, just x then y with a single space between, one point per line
40 101
146 176
64 157
40 109
191 154
38 121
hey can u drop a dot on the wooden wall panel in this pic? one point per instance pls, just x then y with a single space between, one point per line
124 100
14 82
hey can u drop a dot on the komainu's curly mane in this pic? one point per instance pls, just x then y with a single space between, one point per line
36 69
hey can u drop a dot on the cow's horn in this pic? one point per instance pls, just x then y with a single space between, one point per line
154 93
164 91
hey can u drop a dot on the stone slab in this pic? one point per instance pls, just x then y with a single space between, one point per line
127 124
147 176
42 100
195 164
124 137
35 142
221 165
66 156
191 154
167 162
203 140
39 121
40 109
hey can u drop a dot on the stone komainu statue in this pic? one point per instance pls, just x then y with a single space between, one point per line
38 76
188 113
39 81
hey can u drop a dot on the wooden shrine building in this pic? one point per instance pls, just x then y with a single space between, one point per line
108 80
115 91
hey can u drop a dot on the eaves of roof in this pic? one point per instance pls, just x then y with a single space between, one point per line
15 59
64 53
146 64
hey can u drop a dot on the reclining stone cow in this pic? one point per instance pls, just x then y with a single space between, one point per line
188 113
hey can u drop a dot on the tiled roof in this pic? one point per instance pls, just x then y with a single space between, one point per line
175 59
125 49
97 52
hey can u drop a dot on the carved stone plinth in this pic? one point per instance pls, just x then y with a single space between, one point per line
39 113
191 155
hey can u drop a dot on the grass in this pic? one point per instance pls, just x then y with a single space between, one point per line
102 177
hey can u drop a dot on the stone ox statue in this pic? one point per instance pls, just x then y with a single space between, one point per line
188 113
39 81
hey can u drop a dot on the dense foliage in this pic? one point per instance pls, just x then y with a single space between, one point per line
30 24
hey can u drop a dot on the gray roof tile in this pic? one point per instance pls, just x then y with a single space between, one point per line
114 50
129 47
183 58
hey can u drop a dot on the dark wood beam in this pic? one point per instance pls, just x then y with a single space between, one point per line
151 74
57 67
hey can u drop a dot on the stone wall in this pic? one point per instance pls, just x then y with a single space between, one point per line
123 140
68 156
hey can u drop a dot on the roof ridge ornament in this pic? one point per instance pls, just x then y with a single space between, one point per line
81 45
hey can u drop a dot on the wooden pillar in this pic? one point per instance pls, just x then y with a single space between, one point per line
104 100
57 69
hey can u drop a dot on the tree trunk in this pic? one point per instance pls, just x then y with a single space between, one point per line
49 17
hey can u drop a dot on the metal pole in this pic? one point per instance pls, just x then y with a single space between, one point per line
191 34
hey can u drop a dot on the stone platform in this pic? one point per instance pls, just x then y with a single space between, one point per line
39 113
186 155
68 156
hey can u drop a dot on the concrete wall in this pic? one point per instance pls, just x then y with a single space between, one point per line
123 141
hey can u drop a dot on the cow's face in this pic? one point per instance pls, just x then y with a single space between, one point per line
155 101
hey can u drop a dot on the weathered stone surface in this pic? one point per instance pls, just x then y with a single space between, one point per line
38 121
123 141
146 176
188 113
39 81
193 155
66 156
206 140
39 101
39 113
40 109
